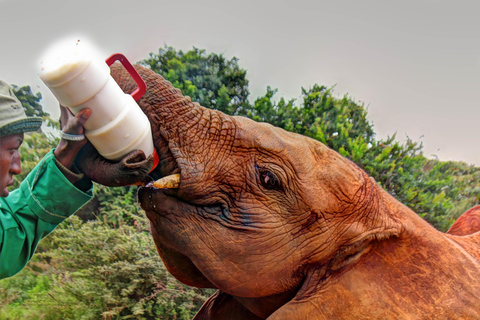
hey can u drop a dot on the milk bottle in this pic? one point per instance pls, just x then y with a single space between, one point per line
117 125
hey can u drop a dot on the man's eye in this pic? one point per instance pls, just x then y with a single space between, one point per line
13 151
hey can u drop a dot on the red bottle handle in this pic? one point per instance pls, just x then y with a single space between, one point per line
137 94
142 87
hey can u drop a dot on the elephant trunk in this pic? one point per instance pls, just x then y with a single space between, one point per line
169 112
172 117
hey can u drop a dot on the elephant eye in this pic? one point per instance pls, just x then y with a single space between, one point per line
269 180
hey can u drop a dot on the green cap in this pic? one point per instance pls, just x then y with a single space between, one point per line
12 116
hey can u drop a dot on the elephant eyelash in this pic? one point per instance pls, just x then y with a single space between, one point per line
268 179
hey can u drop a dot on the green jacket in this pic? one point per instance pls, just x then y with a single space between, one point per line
44 199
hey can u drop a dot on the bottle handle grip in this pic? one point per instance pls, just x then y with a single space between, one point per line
142 87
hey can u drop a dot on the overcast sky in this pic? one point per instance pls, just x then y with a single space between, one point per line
415 63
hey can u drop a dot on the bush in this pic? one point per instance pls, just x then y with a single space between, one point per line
91 271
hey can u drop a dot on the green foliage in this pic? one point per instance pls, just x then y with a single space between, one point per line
92 271
210 79
439 191
31 104
320 116
30 101
118 205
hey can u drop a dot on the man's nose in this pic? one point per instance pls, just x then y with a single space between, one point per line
16 166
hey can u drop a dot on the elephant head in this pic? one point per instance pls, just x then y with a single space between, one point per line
269 217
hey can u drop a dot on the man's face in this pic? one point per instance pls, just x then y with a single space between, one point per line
9 160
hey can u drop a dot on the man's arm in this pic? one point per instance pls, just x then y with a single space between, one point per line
45 198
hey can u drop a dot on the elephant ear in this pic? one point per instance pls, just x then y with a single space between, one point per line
133 168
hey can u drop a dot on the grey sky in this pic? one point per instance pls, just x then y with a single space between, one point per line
416 64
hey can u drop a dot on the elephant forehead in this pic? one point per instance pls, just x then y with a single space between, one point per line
274 140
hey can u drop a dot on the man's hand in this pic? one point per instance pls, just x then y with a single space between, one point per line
67 150
132 168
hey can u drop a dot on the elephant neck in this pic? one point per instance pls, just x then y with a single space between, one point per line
406 275
385 219
405 272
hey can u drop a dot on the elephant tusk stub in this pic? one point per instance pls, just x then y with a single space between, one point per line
168 182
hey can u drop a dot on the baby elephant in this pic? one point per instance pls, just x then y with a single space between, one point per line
284 227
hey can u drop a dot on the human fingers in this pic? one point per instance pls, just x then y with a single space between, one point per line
75 124
65 116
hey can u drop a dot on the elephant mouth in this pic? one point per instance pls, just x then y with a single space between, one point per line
162 206
161 199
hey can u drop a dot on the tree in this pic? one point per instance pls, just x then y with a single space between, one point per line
209 79
320 116
93 271
31 104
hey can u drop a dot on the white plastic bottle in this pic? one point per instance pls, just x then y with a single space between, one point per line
117 125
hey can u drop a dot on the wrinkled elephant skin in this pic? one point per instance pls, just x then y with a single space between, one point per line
286 228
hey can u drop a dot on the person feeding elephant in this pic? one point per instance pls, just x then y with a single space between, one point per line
52 192
56 188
